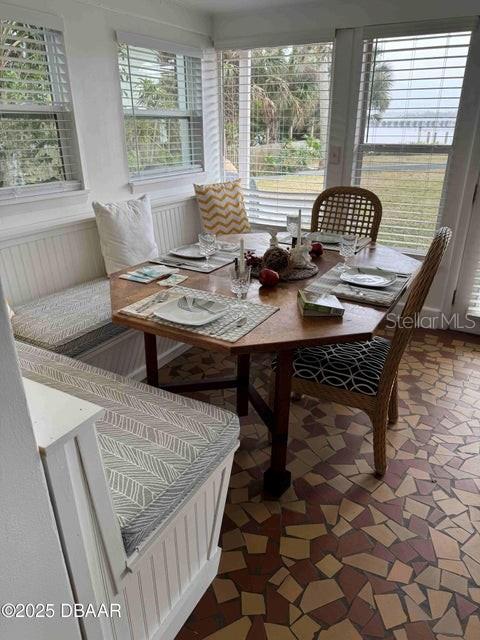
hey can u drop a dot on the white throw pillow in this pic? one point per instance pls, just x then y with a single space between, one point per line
126 233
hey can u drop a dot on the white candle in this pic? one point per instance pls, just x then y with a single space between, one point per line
241 262
299 228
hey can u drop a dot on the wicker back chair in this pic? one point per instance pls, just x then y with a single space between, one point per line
403 333
375 362
349 210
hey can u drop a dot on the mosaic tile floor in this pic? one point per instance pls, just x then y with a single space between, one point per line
343 555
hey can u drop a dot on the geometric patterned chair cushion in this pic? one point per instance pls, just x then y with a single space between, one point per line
354 366
70 321
222 208
156 447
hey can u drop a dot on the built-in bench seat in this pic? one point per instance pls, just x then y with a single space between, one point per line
70 322
157 447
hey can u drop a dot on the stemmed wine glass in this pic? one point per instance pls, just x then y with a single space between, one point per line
207 245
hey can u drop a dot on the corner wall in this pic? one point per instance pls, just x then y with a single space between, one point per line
33 568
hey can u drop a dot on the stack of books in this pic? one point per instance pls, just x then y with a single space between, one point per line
319 304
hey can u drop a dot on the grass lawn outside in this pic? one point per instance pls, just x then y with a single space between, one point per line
410 197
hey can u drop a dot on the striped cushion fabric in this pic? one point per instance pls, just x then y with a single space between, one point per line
222 207
71 321
157 447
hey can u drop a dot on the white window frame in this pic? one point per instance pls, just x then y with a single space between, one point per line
153 176
69 187
347 68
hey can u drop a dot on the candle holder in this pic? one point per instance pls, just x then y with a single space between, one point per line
300 255
273 239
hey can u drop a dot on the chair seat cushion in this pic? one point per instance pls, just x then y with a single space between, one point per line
354 366
71 321
157 447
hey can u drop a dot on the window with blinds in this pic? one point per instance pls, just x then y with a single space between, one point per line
275 111
409 99
474 304
162 105
38 149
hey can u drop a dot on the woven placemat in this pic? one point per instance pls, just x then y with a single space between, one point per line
330 283
255 313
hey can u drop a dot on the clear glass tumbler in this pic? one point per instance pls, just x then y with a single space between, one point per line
240 283
348 246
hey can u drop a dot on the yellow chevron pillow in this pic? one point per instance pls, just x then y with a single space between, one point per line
222 207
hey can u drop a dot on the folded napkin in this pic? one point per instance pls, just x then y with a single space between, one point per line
145 307
331 283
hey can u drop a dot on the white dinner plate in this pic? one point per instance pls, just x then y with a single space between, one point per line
195 318
371 280
191 251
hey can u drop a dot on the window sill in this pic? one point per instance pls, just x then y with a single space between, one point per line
154 183
79 195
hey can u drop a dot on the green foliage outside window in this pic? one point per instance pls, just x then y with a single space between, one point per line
30 149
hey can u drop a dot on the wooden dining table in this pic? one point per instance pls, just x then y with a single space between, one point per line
281 334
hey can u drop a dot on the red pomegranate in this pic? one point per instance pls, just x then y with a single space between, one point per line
268 277
317 249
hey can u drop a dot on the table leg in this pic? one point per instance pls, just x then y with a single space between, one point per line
243 379
151 359
277 478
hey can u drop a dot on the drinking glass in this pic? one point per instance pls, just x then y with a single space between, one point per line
207 245
292 224
348 246
240 283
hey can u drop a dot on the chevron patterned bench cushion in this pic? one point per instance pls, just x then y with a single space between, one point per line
222 207
157 447
70 321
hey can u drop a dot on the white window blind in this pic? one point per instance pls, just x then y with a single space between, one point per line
409 99
38 146
474 306
275 112
162 105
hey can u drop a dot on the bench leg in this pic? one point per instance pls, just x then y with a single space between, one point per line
151 358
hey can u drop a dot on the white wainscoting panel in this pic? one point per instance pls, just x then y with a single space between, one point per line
45 262
35 265
176 224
